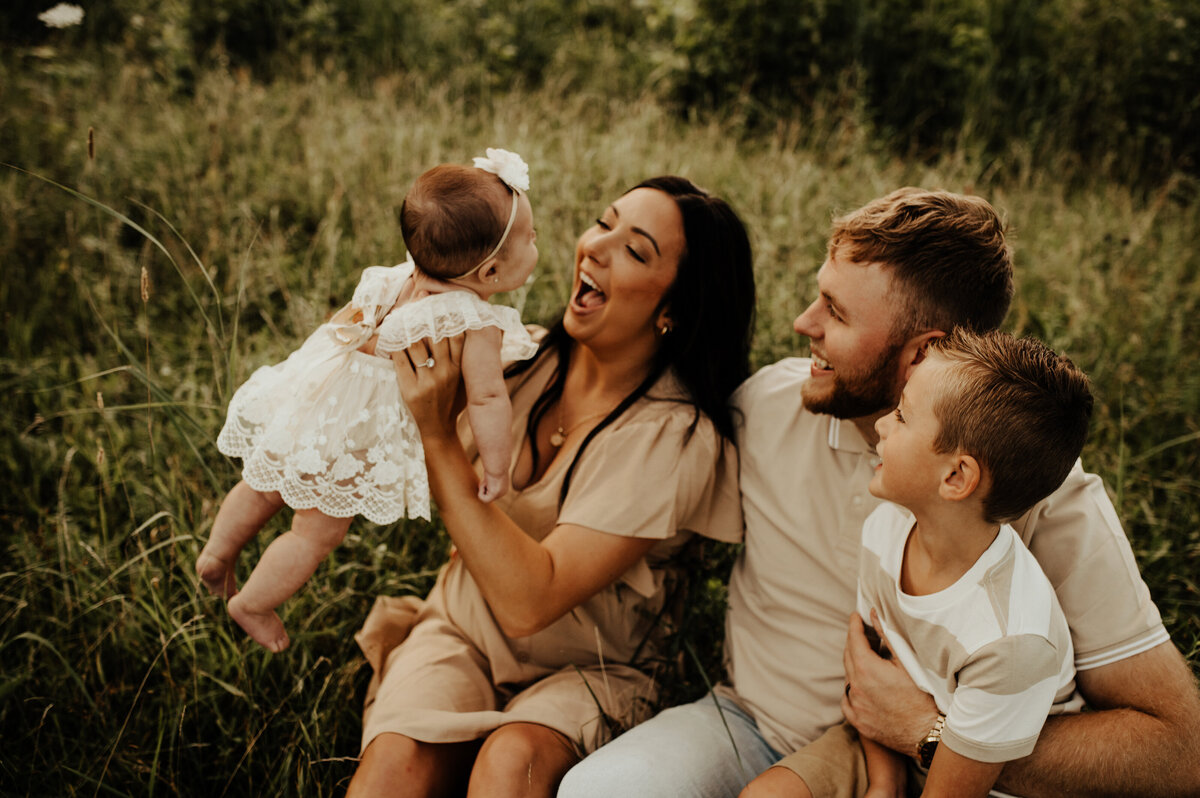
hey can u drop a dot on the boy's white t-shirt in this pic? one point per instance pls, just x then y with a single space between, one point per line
993 649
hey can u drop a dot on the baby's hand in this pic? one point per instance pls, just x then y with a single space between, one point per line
492 487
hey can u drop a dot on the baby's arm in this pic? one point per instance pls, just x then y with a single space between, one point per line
885 771
488 409
952 775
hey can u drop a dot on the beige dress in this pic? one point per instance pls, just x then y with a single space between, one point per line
445 672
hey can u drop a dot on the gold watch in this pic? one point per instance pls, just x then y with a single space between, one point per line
928 746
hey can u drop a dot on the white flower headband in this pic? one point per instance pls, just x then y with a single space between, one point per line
514 173
507 166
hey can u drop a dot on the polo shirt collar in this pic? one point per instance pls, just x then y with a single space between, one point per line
844 436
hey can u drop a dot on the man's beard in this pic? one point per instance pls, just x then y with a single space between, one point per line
861 392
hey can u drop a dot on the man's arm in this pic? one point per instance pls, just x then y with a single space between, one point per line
1141 739
1144 738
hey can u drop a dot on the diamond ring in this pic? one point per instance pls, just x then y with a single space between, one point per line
428 364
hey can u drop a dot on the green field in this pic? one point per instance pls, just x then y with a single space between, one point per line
207 231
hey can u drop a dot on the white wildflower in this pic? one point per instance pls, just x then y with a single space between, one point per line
63 15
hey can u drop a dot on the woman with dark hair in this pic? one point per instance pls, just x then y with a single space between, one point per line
539 640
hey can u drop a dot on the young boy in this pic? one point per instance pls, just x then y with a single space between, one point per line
987 426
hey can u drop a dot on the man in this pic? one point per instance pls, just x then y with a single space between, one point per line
900 271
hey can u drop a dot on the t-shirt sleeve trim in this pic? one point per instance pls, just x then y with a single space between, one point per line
1107 656
988 752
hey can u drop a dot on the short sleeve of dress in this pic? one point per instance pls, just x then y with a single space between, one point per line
649 479
378 288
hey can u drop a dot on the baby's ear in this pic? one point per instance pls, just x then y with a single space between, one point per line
962 478
490 271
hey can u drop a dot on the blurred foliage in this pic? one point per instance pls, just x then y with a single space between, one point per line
1115 82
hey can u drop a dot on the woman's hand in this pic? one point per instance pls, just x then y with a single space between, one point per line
430 376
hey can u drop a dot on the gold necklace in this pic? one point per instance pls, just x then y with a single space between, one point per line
559 436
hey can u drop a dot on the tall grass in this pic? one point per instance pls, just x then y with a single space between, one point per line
257 206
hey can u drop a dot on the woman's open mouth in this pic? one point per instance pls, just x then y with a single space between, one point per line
589 294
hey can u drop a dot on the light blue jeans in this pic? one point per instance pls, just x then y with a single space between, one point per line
682 751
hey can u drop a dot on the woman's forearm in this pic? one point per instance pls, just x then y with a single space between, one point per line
527 584
512 570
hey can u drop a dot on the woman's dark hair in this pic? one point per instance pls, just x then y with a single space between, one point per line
712 319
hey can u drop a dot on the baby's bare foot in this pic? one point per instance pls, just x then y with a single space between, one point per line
216 574
265 627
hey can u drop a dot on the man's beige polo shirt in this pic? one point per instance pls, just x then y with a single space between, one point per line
804 482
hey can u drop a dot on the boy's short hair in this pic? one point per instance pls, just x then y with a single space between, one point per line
946 251
452 217
1018 408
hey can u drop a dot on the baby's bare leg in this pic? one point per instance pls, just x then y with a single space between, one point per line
244 512
286 565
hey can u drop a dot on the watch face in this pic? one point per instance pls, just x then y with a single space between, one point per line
926 752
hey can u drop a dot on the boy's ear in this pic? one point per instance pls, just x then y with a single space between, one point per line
963 478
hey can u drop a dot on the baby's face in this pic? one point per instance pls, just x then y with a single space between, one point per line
520 254
910 471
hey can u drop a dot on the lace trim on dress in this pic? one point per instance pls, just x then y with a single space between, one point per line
446 315
330 434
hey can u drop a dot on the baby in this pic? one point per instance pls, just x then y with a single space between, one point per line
326 431
988 425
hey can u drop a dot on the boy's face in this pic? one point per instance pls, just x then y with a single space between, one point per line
910 471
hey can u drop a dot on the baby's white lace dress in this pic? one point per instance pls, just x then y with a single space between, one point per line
327 427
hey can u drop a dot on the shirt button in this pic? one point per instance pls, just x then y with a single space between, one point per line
856 501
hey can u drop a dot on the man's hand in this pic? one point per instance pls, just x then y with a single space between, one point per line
880 699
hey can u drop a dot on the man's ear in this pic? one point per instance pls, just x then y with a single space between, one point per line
962 479
914 349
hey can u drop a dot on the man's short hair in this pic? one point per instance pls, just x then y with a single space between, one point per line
1018 408
947 253
452 217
